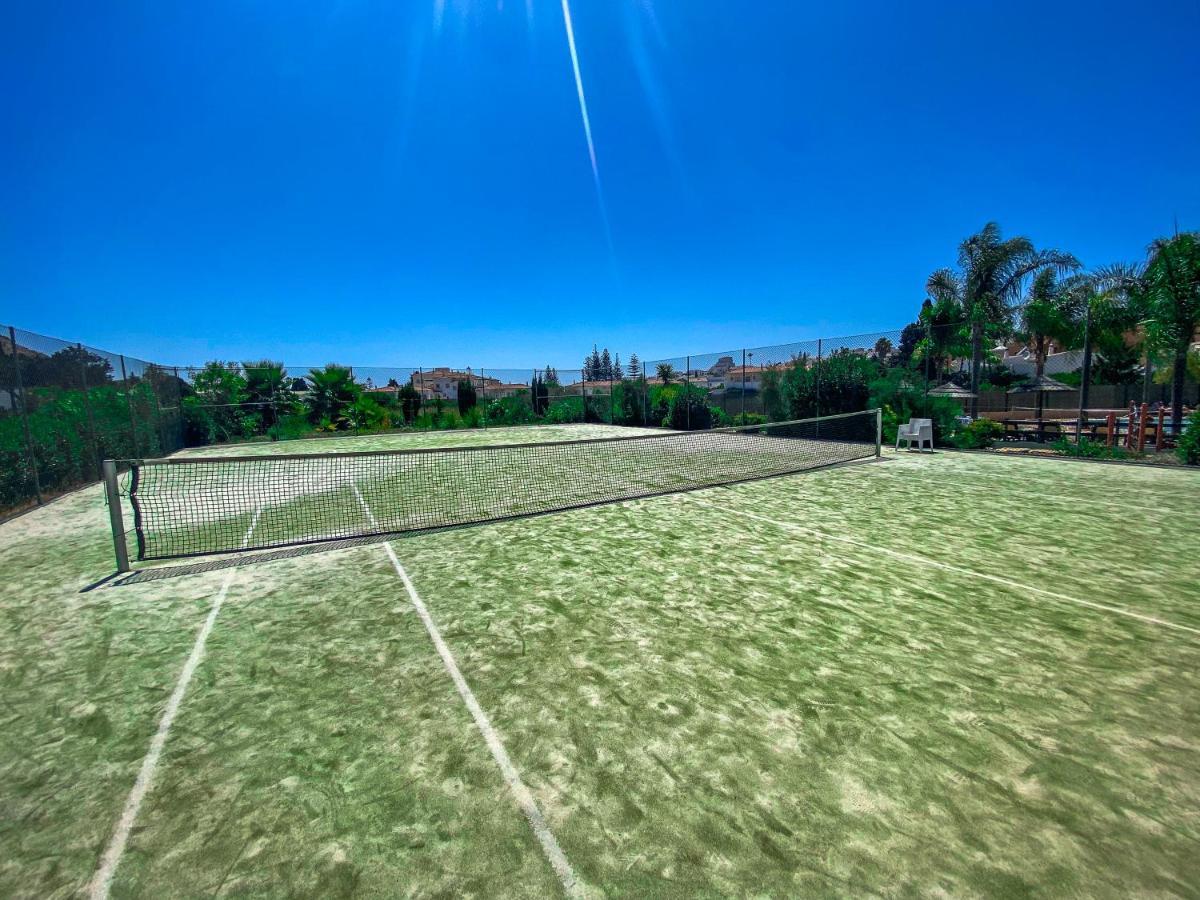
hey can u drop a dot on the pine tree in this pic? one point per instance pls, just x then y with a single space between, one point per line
605 366
595 366
551 376
618 371
635 366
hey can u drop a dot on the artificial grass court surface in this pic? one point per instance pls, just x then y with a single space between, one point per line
876 679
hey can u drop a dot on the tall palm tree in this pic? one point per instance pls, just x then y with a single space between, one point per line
992 273
1050 313
1169 299
1102 306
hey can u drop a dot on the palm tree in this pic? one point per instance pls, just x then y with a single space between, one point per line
992 273
1101 307
1051 313
1168 297
268 387
666 372
330 390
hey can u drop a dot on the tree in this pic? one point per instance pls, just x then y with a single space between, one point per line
467 396
331 390
882 350
410 402
617 371
540 394
550 376
219 392
635 366
665 372
70 367
1168 296
1051 312
992 273
268 388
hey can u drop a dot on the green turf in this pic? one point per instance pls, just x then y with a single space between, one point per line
865 680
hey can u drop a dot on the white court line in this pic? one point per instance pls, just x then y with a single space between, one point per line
926 561
101 882
550 846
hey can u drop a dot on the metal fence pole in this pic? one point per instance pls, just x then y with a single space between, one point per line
928 359
19 387
645 398
97 460
129 402
612 408
687 391
743 385
879 433
818 378
113 494
483 392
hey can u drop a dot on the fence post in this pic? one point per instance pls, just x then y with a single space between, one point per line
97 461
645 398
818 380
687 390
1158 431
879 433
483 393
113 494
928 355
19 387
1143 414
1085 375
1110 423
129 403
744 386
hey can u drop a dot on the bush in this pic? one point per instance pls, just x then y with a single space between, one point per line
290 427
1189 442
560 412
749 419
473 418
689 412
1087 449
510 411
449 420
979 435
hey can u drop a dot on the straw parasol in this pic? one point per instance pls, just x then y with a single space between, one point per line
952 390
1041 384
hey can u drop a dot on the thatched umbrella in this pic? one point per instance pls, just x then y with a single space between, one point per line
1041 384
952 390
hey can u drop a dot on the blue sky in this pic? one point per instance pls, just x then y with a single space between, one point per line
408 183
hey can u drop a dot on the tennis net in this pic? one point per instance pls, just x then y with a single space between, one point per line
189 506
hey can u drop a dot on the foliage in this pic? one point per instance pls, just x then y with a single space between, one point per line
269 389
978 435
1088 449
772 394
838 383
474 418
410 402
510 411
1168 295
366 413
561 412
331 390
467 395
214 412
900 393
539 394
665 373
749 419
1189 442
628 402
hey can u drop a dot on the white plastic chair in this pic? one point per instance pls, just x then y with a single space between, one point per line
919 430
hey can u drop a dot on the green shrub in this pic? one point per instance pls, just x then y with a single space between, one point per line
749 419
290 427
561 412
473 418
978 435
510 411
1189 442
1087 449
689 411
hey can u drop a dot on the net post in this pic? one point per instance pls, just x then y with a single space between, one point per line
113 494
878 432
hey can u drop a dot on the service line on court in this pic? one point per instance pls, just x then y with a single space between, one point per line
101 882
550 846
959 570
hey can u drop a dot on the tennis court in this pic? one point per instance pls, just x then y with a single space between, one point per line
933 673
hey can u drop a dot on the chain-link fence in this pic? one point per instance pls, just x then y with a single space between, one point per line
64 407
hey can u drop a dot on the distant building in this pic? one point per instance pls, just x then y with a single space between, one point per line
442 383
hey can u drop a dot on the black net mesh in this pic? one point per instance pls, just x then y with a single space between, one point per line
193 506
